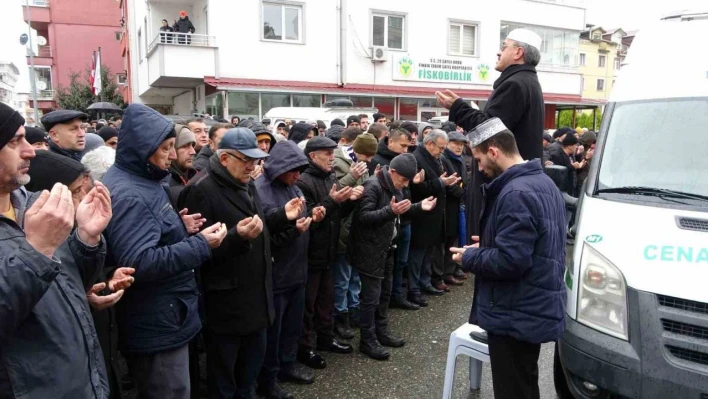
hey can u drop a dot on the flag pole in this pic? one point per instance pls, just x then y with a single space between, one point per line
100 59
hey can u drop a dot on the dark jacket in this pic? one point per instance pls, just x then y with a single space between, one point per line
455 195
177 182
383 157
289 247
315 184
159 311
374 225
238 281
183 25
202 159
519 266
48 344
427 228
560 158
517 100
342 166
75 155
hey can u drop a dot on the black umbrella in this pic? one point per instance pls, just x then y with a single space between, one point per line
105 107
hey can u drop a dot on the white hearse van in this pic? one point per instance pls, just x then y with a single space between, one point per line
637 309
338 109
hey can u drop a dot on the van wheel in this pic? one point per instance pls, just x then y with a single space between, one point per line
559 380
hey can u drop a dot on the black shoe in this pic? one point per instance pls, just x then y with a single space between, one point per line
274 392
354 317
387 339
335 346
403 303
311 359
432 291
296 375
460 275
418 300
341 326
373 349
480 336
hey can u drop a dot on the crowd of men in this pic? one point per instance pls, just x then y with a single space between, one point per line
269 248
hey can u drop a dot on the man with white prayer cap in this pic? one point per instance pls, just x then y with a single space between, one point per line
517 100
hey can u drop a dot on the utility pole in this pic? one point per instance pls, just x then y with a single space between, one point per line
33 79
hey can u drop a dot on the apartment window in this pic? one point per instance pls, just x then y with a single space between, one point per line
617 64
388 31
601 61
119 35
282 22
462 39
559 47
597 36
601 85
140 44
582 59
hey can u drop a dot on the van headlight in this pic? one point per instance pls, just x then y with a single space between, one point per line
602 295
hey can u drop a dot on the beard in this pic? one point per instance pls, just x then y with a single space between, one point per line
17 180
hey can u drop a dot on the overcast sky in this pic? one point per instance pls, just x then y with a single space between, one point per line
10 48
632 14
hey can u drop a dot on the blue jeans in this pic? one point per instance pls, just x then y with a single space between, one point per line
419 268
404 243
347 285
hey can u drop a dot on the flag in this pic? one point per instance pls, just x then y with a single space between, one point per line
96 73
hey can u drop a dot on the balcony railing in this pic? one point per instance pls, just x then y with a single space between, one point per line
45 95
43 51
182 39
39 3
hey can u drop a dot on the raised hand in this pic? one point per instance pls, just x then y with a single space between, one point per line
214 234
357 192
358 169
257 172
429 203
122 279
449 180
400 207
447 98
93 214
294 208
53 209
250 228
419 177
318 214
191 222
340 196
100 302
303 224
377 170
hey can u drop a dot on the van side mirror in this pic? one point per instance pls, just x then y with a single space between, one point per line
559 175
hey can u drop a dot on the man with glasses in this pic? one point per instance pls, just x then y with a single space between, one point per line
517 100
237 281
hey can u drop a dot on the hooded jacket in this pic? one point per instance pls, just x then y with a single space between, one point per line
342 165
202 159
289 247
48 344
159 311
299 132
421 128
519 265
177 181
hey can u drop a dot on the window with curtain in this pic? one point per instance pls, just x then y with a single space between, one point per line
462 39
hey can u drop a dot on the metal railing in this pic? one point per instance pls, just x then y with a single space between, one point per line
182 39
39 3
44 51
45 95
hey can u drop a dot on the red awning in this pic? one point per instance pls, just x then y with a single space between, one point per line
233 84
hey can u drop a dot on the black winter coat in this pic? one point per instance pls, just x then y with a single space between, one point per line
383 157
427 228
238 279
201 161
177 182
184 26
455 194
374 225
324 236
560 158
517 100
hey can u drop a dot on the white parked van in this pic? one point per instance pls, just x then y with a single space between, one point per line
637 310
325 114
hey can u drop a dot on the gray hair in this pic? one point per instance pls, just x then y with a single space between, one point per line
221 151
434 135
531 54
98 161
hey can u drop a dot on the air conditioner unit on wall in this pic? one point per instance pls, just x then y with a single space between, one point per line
379 54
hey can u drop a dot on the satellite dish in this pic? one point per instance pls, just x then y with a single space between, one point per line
41 85
41 41
23 39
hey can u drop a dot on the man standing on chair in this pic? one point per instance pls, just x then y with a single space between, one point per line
519 295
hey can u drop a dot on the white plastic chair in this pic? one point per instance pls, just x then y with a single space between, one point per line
462 344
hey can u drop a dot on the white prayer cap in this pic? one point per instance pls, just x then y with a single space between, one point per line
485 130
526 36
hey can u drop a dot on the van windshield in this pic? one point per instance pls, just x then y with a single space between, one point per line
659 144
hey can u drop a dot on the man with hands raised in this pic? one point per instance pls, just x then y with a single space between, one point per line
376 223
46 273
238 279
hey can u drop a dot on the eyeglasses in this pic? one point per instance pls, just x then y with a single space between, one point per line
504 45
246 160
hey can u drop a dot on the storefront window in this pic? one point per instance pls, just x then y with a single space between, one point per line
385 106
408 109
273 100
215 104
243 105
306 100
364 102
559 47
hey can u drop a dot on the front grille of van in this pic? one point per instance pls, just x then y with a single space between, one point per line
688 355
685 329
693 224
683 304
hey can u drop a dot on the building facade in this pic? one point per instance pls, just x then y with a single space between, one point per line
67 33
249 56
9 93
600 60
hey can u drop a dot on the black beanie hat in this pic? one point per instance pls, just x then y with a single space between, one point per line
336 122
35 135
10 121
405 165
48 168
569 139
107 132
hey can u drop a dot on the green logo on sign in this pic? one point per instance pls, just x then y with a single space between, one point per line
405 67
483 71
593 238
